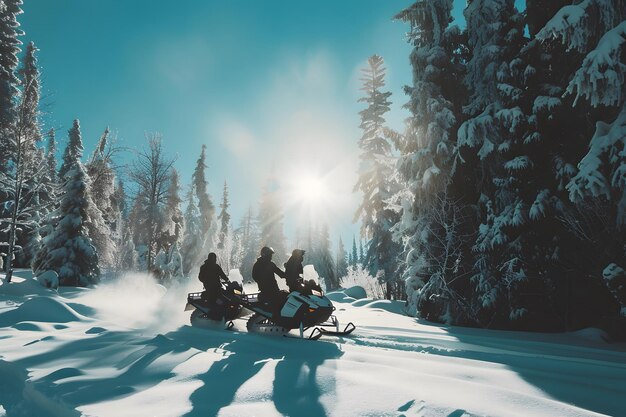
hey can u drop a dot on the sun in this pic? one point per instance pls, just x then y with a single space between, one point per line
308 194
310 190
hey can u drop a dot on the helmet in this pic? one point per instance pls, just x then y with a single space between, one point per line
298 252
267 251
212 257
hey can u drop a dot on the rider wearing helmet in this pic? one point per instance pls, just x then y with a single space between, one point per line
294 271
210 275
263 273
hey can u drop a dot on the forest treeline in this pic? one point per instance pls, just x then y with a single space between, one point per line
500 203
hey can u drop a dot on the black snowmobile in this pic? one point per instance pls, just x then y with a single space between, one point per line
223 309
301 310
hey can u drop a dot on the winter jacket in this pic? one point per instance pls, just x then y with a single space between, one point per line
294 272
263 274
210 274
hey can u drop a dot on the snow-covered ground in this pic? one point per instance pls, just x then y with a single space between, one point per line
126 349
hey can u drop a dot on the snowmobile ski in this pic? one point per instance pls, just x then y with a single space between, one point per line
346 331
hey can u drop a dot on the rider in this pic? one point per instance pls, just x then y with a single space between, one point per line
210 275
294 271
263 273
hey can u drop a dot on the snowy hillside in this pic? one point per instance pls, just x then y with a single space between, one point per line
126 349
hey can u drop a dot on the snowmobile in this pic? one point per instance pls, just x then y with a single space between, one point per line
302 310
223 309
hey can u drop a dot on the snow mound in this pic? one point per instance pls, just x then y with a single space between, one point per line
49 279
388 305
339 297
347 295
42 309
362 302
592 334
22 284
356 292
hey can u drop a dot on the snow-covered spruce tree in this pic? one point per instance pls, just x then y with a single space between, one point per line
68 250
191 249
427 151
27 119
50 191
21 178
151 172
9 50
593 34
487 146
174 219
205 205
341 261
375 180
102 215
168 262
270 220
100 170
224 217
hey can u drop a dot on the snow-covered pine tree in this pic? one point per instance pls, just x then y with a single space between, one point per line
27 119
487 141
9 50
174 219
224 217
151 172
100 170
51 158
353 253
191 250
102 214
427 150
593 90
341 262
376 180
74 147
21 178
50 191
68 250
271 220
205 205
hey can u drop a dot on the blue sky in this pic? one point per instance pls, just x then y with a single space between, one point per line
266 85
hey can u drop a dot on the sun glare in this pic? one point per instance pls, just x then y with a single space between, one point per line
310 189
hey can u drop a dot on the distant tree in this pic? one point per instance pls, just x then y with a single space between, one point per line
323 259
341 262
151 172
251 247
205 205
271 220
224 216
192 237
174 219
354 255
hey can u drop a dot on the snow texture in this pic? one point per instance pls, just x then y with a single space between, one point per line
123 348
